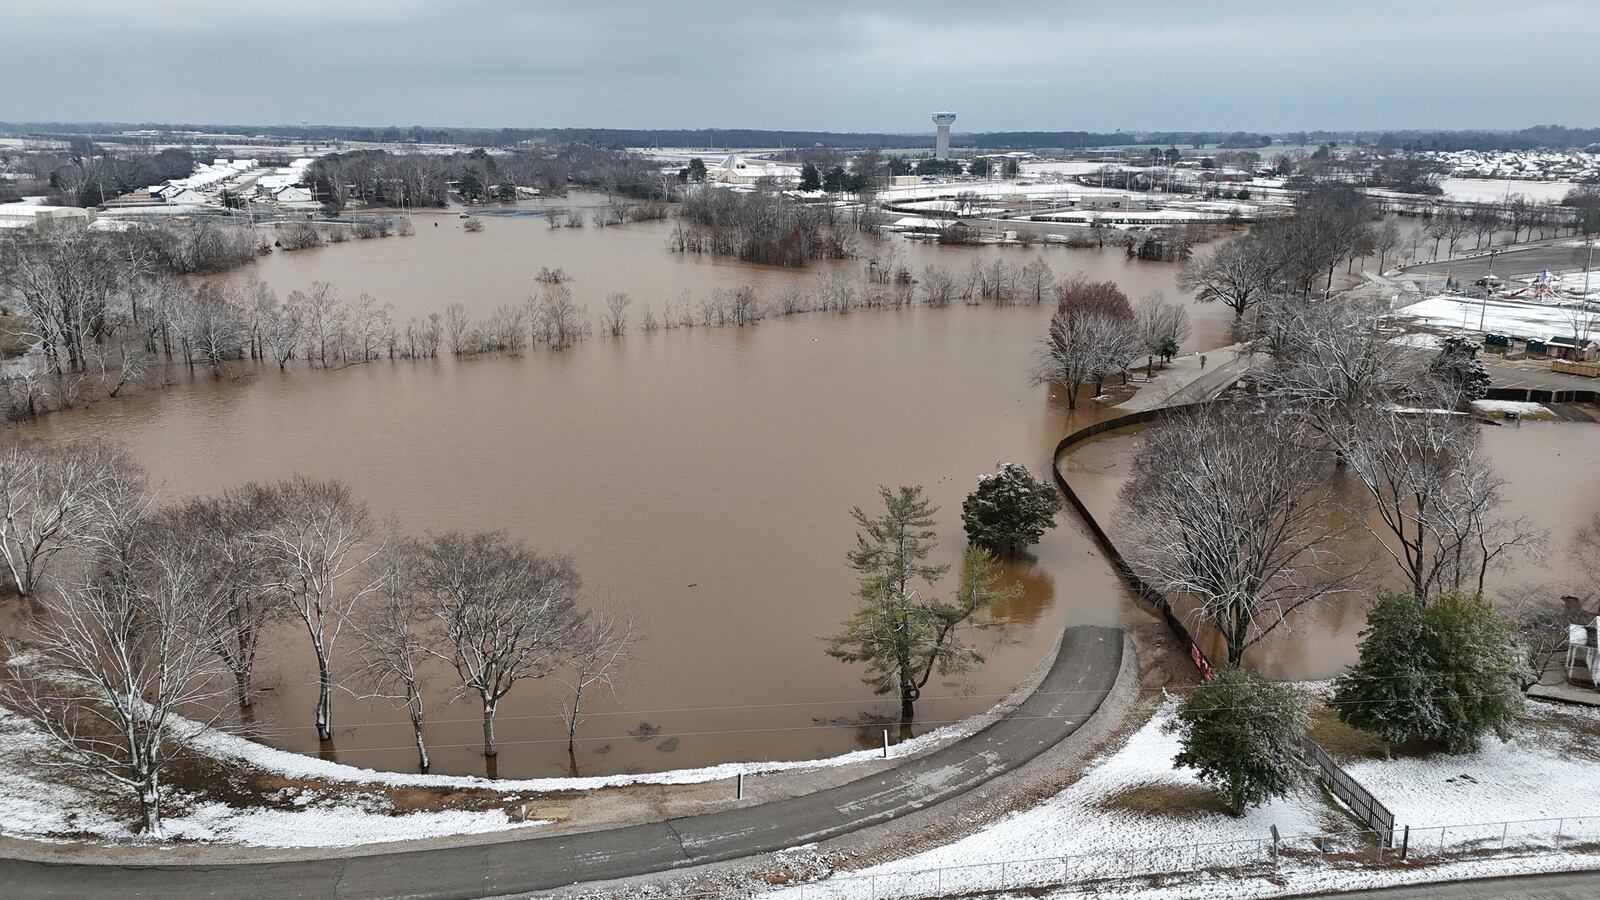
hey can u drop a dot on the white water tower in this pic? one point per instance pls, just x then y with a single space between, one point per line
941 136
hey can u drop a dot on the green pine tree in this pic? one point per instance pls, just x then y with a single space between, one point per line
1242 734
900 631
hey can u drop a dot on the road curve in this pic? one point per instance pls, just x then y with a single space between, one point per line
1084 672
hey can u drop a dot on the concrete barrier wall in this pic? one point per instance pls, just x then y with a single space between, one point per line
1146 593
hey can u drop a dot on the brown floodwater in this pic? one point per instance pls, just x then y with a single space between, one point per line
701 479
1548 470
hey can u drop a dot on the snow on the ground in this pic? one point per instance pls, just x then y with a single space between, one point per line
1104 812
1494 190
1494 316
39 804
1547 770
1520 407
222 745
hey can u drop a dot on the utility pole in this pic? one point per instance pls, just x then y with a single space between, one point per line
1488 285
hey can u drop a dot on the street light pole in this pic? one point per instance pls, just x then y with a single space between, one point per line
1488 285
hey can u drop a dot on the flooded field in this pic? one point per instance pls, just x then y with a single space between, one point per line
1319 641
700 478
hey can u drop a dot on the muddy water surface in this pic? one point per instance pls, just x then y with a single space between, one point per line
700 478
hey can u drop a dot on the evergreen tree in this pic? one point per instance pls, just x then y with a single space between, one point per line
1390 690
1478 666
810 179
1009 509
1242 733
1450 672
1458 369
899 631
979 168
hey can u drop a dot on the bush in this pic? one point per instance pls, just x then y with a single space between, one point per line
1242 733
1451 672
1009 509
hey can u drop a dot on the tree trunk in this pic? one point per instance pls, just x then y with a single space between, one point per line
488 729
324 700
241 686
150 805
422 748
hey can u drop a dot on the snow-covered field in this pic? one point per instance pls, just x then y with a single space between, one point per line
1524 320
1547 770
1493 190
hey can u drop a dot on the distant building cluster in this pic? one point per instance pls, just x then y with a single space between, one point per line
1524 165
245 179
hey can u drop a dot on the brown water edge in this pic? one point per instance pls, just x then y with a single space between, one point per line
1548 470
702 478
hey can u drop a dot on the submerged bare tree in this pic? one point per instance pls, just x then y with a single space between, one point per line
507 613
615 318
112 661
1228 507
1433 499
318 549
391 645
50 498
601 650
226 532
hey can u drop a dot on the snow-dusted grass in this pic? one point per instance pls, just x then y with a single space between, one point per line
224 746
1132 800
39 804
1550 768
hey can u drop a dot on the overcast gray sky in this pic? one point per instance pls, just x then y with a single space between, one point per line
834 65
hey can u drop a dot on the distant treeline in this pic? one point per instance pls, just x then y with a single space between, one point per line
1536 136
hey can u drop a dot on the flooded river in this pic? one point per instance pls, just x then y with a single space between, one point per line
700 478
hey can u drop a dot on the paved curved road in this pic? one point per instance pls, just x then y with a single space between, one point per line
1084 672
1574 886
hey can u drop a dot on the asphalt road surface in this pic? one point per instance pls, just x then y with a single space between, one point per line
1083 674
1529 261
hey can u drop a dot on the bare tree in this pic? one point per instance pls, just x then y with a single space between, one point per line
1227 506
1091 336
602 649
456 324
1433 498
391 646
507 612
112 662
559 319
1162 328
225 531
1237 275
51 498
615 320
318 547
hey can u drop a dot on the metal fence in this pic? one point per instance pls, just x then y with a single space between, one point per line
1569 833
1366 807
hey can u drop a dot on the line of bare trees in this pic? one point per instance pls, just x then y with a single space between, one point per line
147 620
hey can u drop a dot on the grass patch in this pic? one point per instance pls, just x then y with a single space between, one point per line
1181 800
1343 742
